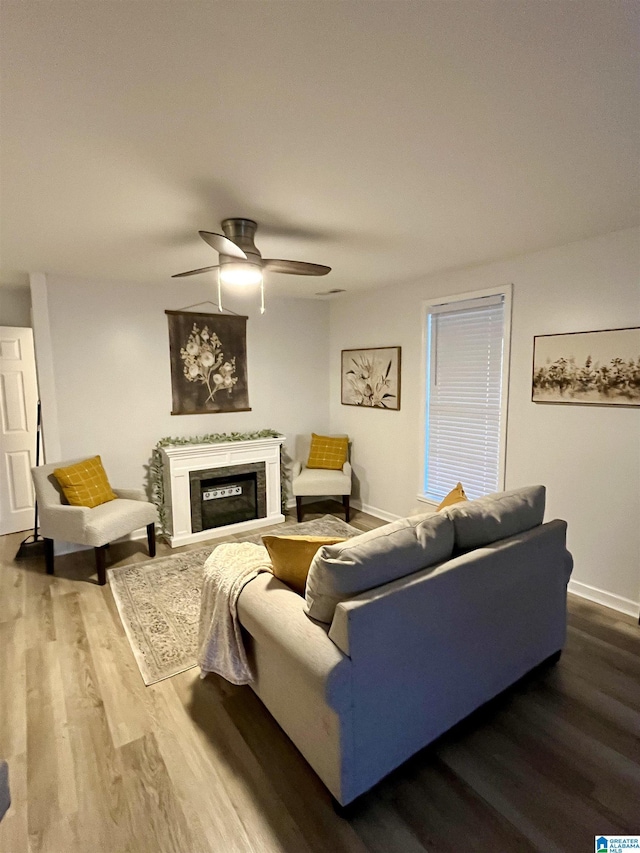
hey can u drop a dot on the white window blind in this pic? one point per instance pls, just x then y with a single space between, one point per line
464 396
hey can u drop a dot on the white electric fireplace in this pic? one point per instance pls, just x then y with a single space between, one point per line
217 489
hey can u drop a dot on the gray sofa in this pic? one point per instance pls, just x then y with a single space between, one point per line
396 665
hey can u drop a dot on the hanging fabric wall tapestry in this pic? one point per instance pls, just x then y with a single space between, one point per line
208 363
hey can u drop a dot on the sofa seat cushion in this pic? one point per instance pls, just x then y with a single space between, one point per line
338 572
319 481
496 516
117 518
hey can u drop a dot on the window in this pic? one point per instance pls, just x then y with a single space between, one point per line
467 355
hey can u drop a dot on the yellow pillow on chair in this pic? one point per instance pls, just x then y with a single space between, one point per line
291 556
85 483
328 451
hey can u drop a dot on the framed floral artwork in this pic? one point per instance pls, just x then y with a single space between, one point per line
208 355
599 368
371 377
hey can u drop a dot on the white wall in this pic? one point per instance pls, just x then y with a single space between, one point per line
15 306
588 457
109 375
110 372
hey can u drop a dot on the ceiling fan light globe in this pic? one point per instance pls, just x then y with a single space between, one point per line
240 275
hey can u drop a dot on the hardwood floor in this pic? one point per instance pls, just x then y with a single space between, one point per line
99 762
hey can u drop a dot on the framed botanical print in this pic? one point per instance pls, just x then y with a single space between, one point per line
371 377
599 368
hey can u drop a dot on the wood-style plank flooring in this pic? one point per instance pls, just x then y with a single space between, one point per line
99 762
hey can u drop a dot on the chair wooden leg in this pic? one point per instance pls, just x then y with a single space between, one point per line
151 539
347 511
299 509
48 555
101 554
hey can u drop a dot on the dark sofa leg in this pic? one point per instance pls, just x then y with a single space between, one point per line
151 539
101 554
48 555
345 812
299 509
347 511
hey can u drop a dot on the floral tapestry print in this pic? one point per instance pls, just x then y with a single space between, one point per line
204 362
208 363
371 377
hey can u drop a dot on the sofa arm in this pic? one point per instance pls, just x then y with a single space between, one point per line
64 522
296 468
273 613
301 677
131 494
346 469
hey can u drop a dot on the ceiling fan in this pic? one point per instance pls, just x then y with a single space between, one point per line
240 259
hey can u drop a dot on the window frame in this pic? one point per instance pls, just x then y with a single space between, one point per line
506 291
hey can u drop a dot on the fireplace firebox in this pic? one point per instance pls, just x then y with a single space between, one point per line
227 495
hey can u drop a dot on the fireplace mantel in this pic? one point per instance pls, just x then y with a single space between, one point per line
180 460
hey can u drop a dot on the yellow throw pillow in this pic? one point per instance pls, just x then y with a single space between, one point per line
455 496
327 451
85 483
291 556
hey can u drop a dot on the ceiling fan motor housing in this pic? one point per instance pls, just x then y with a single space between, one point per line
241 232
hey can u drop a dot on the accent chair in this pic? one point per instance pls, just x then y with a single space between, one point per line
95 527
318 482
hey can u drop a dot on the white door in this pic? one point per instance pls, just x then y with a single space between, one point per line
18 427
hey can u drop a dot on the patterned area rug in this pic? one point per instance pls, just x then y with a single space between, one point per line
159 600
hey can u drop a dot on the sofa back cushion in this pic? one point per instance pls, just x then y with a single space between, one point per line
497 516
338 572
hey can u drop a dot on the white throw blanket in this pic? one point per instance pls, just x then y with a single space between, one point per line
226 571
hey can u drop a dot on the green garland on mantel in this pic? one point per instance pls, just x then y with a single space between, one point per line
156 467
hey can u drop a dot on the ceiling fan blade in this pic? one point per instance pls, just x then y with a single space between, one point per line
294 267
222 244
194 272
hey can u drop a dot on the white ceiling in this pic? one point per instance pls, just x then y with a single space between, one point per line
385 139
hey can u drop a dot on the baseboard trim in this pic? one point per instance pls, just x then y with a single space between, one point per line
608 599
355 503
375 511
